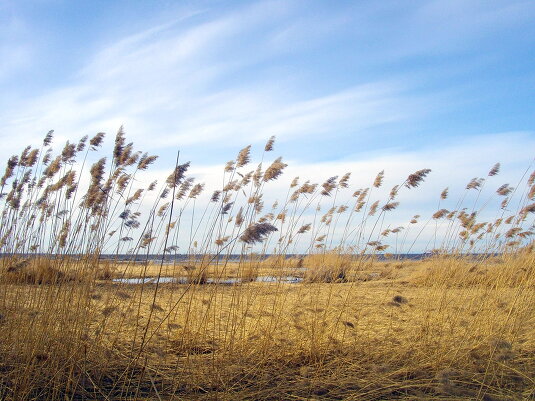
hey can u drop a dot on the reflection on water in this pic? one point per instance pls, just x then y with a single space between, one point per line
282 279
222 281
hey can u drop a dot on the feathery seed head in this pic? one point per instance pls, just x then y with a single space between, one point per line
269 144
243 157
176 177
97 140
274 170
416 178
329 185
145 161
48 138
379 179
257 232
390 206
494 170
196 191
373 208
304 228
81 145
440 213
343 182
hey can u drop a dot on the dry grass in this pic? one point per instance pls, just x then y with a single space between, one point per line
458 325
379 339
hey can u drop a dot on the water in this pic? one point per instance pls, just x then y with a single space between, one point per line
220 281
282 279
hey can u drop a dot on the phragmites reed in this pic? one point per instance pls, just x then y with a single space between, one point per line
215 196
394 191
184 188
440 214
47 157
269 144
239 218
135 197
362 194
341 209
12 162
152 185
97 171
244 157
32 157
82 143
53 167
226 207
531 179
68 153
86 313
176 177
373 208
266 218
307 188
257 232
528 209
416 178
145 161
329 185
304 228
119 145
122 182
229 166
494 170
246 179
274 170
504 190
379 179
196 191
475 183
97 140
343 182
257 175
390 206
48 138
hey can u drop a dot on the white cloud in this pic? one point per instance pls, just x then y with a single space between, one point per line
165 82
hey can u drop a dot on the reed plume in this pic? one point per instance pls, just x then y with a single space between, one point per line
494 170
269 144
379 179
274 170
257 232
416 178
244 157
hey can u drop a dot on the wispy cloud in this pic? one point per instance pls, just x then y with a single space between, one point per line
211 79
164 82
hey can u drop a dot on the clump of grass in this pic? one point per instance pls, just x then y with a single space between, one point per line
328 268
36 271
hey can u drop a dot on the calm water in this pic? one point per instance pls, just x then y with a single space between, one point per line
222 281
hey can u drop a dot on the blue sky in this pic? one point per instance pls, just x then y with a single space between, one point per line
447 85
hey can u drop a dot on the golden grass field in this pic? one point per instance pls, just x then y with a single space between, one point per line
412 330
343 320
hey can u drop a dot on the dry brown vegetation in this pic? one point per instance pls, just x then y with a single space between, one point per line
456 325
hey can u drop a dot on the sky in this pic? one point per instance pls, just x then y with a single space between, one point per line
344 86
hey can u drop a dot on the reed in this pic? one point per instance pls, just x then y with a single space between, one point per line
305 298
